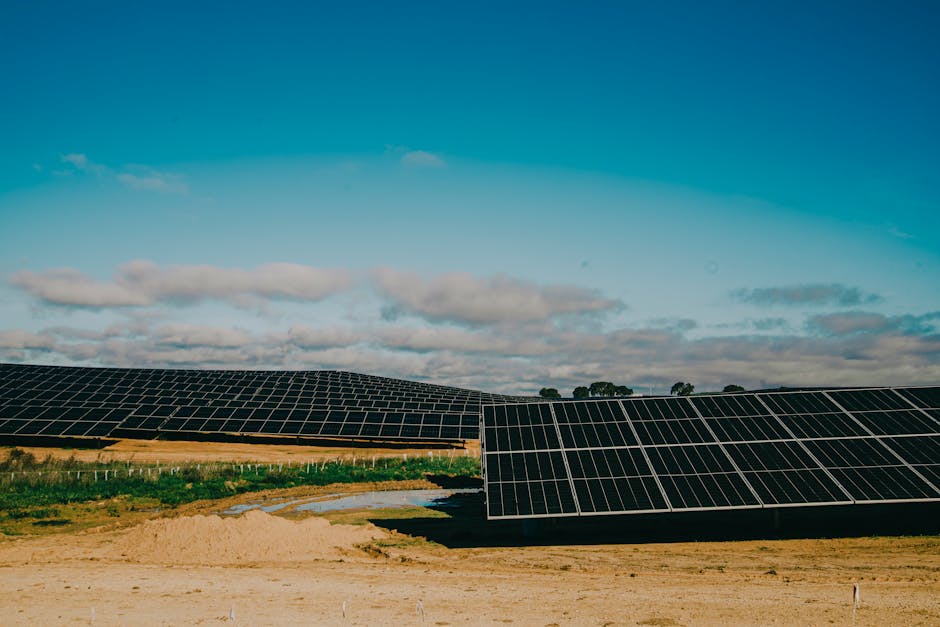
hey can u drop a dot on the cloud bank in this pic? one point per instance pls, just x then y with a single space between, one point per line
498 333
815 294
133 176
519 360
139 283
462 297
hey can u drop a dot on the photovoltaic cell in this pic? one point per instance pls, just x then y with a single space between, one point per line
799 403
828 425
708 491
898 422
926 398
794 487
618 494
750 429
528 484
868 400
922 453
686 431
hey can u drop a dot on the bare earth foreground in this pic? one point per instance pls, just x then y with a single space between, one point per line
261 569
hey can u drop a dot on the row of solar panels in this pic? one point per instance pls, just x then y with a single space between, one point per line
105 423
712 452
64 384
100 403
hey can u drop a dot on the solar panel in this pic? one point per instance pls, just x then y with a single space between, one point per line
926 398
726 451
696 477
67 401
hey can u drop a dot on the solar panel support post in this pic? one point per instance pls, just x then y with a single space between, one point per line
531 527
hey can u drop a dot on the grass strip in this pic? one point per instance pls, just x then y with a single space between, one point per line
27 483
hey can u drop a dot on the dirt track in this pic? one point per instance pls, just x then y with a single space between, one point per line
305 575
175 452
55 580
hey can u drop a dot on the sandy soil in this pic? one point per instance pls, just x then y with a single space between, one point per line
267 570
271 571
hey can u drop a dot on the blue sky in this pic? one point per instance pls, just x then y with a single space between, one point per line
489 196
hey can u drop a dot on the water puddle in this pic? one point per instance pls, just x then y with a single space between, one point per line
364 500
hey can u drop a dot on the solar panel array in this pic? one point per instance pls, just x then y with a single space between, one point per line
714 452
142 403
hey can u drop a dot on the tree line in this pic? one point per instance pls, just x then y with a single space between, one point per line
606 389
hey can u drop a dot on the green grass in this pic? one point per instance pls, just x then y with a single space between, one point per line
27 483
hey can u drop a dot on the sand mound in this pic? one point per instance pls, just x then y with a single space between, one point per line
252 537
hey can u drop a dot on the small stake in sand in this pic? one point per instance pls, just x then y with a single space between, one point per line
855 601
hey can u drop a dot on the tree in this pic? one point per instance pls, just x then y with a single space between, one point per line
733 388
681 388
600 388
581 392
549 393
606 388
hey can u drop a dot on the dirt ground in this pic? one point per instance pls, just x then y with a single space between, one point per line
165 451
258 569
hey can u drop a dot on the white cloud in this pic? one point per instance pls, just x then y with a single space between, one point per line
307 337
198 282
140 282
155 181
850 322
200 335
461 297
16 339
78 160
135 177
896 232
808 294
66 286
434 339
82 163
422 159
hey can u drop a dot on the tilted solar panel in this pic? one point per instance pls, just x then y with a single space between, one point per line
38 401
711 452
